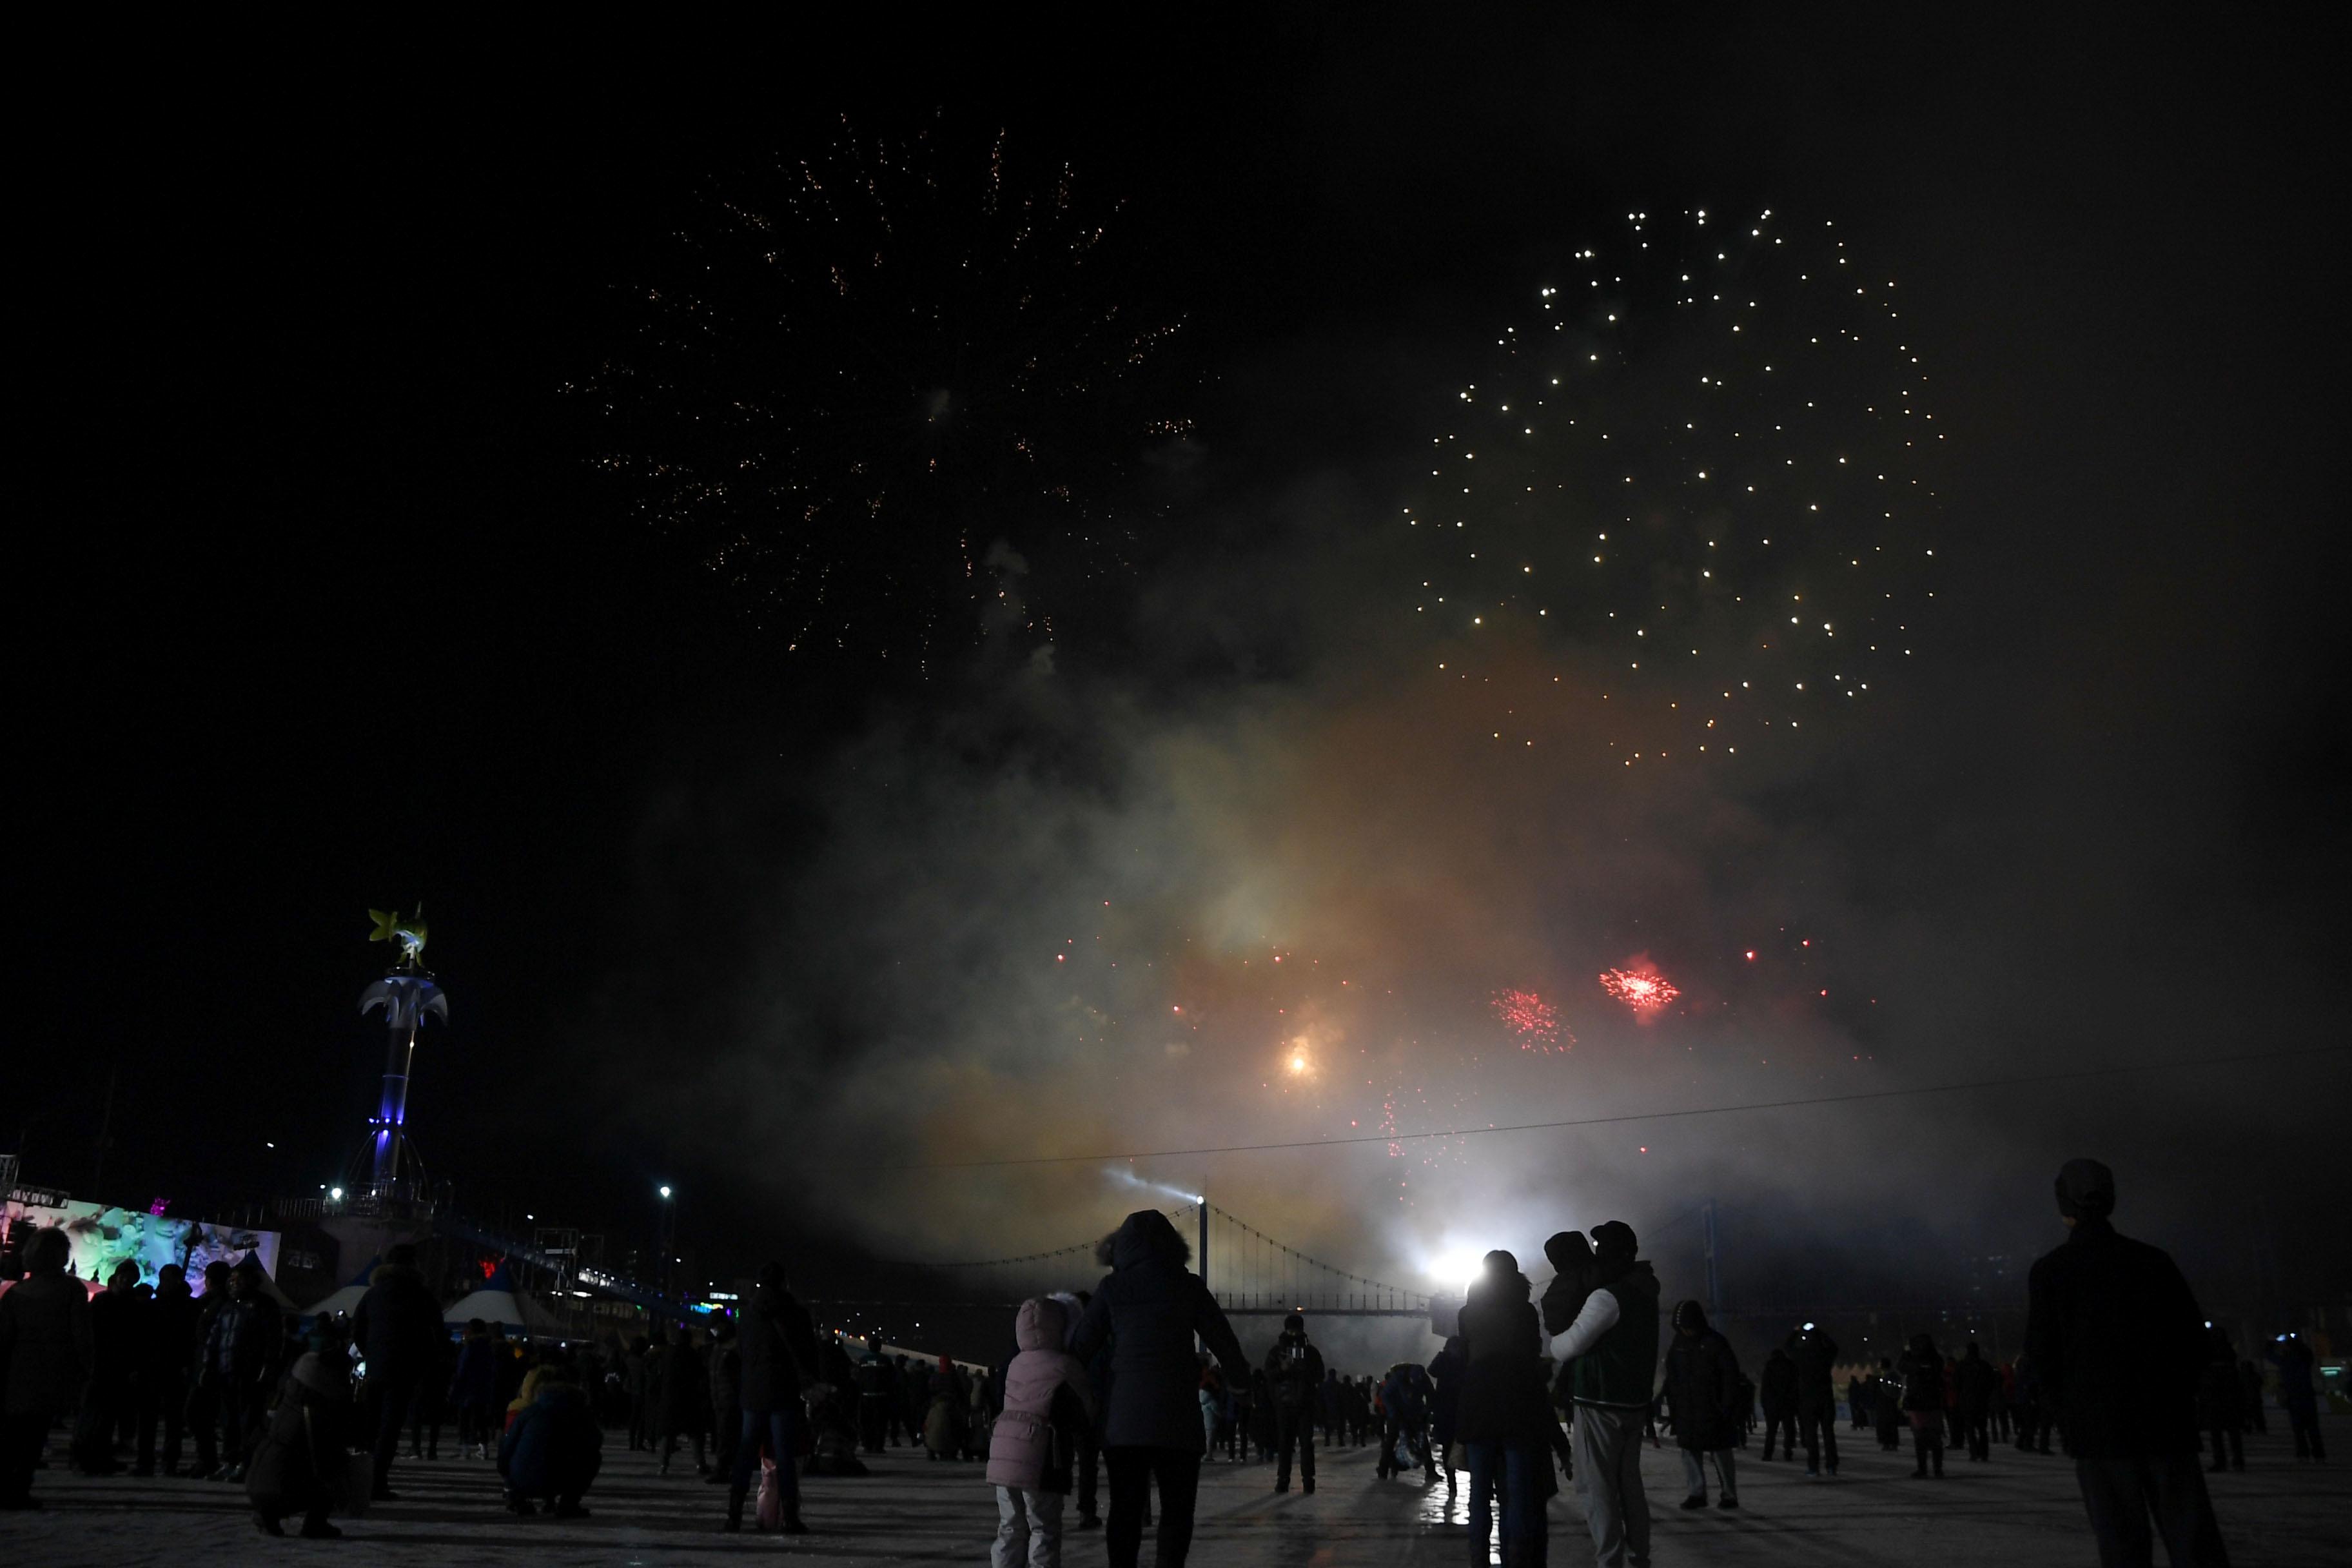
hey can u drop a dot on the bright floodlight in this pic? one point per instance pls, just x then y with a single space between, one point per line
336 1194
665 1192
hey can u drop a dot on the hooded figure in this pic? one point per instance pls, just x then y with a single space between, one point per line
1504 1421
299 1461
554 1448
1047 1408
1149 1308
1703 1399
778 1357
1031 1447
1702 1384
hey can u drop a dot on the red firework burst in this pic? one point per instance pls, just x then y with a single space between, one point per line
1532 1019
1639 989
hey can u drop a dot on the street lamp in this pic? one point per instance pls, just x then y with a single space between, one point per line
668 1236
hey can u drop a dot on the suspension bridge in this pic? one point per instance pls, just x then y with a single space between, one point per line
1249 1272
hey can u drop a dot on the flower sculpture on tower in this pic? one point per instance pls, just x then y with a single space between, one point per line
407 994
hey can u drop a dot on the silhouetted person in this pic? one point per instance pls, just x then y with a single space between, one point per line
1815 1355
299 1458
2250 1384
1404 1409
1151 1308
1504 1418
474 1390
1886 1407
169 1351
2297 1396
1779 1393
241 1352
2220 1409
117 1325
1294 1368
204 1391
2114 1332
684 1393
1447 1369
1612 1347
1922 1372
779 1350
44 1358
1975 1383
726 1402
1702 1396
395 1327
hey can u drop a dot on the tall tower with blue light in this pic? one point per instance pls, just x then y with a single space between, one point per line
408 995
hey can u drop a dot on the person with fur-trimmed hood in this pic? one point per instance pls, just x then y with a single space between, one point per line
1149 1308
1033 1449
1613 1344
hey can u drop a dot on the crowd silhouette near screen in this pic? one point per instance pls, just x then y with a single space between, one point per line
1141 1379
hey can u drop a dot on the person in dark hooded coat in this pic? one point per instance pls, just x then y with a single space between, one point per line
683 1397
2221 1407
1815 1355
397 1327
2114 1333
779 1355
1504 1420
298 1460
1447 1369
1779 1393
1149 1308
1702 1395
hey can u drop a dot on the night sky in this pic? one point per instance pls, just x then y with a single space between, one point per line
331 607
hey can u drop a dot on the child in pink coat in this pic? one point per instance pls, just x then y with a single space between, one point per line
1046 1405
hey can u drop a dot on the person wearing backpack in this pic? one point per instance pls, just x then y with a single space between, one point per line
1048 1407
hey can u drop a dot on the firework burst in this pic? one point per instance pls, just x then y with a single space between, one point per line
1531 1020
888 392
1642 989
1703 463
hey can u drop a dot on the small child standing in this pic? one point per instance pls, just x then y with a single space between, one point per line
1046 1405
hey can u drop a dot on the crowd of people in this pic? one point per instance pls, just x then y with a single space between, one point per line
1141 1379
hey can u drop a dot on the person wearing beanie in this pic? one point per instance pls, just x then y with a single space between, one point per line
1613 1343
1295 1370
2115 1337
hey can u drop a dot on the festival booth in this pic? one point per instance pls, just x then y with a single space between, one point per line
498 1303
344 1301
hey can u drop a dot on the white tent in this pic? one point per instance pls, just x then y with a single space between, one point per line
344 1301
496 1302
